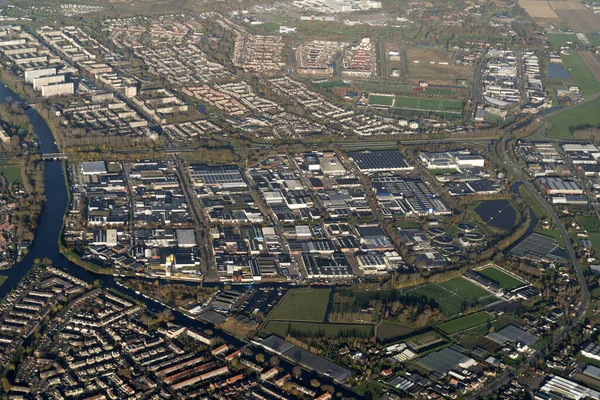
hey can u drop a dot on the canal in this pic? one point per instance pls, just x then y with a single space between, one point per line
47 234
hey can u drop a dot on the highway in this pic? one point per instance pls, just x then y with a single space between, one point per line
581 309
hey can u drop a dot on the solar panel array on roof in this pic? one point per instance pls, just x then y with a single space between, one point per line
413 193
306 358
93 167
513 334
443 361
559 185
389 160
226 176
536 245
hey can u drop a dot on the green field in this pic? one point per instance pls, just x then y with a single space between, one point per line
439 91
3 279
12 174
506 281
425 104
582 75
375 87
378 100
450 295
586 113
302 305
531 201
331 84
592 226
389 330
463 323
328 330
561 39
464 288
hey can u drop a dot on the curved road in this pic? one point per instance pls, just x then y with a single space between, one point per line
581 309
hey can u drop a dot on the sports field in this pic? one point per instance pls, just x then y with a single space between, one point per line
451 294
281 328
505 280
425 104
302 305
463 323
380 100
586 113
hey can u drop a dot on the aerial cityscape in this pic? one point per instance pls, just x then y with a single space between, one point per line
313 199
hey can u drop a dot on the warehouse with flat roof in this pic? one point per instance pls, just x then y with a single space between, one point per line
382 160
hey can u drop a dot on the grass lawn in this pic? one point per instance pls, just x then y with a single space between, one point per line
302 305
3 279
328 330
373 87
595 292
390 330
531 201
439 91
586 113
331 84
582 75
450 295
506 281
13 174
592 225
420 103
560 39
408 225
464 288
462 323
554 233
363 297
378 100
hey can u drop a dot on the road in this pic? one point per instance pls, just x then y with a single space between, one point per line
581 310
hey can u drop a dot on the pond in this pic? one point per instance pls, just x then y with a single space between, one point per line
497 213
557 71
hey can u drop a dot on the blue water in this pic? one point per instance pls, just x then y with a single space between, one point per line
557 71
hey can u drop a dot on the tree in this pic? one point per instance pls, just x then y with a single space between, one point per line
315 383
297 371
274 361
260 358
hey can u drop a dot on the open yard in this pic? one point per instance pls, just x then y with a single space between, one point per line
466 322
302 305
452 295
586 113
505 280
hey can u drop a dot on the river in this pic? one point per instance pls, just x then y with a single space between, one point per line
47 234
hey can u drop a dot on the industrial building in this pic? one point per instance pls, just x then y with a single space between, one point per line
555 185
383 160
226 177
